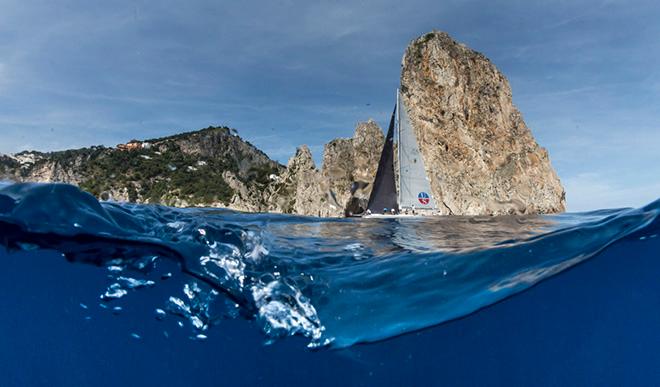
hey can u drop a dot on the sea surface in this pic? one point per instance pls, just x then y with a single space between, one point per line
108 294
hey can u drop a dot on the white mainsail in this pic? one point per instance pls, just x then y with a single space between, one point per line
414 187
401 182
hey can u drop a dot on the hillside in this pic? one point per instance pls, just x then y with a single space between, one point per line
211 167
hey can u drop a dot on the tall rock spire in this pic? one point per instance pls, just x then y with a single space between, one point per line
480 156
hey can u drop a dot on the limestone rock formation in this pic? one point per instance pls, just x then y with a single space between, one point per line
301 189
350 164
343 184
480 156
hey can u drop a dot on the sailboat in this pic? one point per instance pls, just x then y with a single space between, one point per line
401 187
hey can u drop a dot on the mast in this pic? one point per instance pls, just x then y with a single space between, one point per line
398 150
413 188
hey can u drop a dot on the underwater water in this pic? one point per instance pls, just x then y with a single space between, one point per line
115 293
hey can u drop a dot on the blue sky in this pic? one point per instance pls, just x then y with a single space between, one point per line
585 74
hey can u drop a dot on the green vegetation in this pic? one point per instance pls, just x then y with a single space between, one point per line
7 164
157 178
189 167
211 129
260 174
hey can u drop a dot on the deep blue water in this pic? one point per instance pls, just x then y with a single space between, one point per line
119 294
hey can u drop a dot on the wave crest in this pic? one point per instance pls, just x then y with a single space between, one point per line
336 282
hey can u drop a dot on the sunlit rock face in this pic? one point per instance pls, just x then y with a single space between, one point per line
478 152
350 164
301 189
341 186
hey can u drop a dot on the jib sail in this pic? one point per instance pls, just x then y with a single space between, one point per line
383 195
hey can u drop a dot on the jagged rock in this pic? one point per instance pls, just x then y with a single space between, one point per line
343 184
350 164
479 154
243 199
302 189
337 171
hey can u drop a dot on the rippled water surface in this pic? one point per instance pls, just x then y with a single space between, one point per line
336 282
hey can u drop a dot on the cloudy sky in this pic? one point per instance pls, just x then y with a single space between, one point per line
585 74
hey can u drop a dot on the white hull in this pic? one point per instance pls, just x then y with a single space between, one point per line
385 216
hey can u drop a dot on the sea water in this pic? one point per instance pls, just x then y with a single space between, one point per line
116 293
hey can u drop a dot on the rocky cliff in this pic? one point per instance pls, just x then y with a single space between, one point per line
301 189
350 164
343 184
479 154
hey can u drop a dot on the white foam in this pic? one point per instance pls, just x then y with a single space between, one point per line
284 311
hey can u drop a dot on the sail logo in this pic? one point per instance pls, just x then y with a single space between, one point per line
423 198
